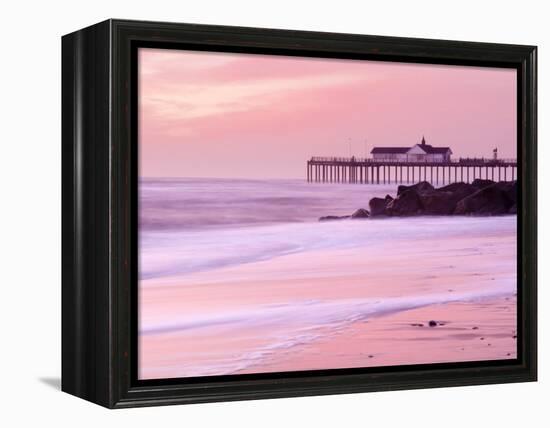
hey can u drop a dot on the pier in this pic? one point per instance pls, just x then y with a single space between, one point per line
373 171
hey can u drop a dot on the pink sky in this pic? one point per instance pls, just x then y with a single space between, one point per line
231 115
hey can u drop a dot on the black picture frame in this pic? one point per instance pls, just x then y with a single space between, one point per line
99 212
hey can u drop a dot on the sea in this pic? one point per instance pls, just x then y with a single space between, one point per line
213 232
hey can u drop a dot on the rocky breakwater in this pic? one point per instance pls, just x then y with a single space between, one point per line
481 197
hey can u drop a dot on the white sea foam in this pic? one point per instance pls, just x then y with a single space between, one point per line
181 252
314 313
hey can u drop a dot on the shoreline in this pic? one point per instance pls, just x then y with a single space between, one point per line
481 330
284 290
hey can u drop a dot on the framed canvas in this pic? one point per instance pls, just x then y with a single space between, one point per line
253 213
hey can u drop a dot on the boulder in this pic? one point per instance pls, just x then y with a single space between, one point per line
510 187
513 192
333 217
421 187
438 203
479 183
453 187
482 197
377 207
459 190
443 201
491 200
405 204
360 213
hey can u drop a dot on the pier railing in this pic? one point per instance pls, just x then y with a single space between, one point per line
459 161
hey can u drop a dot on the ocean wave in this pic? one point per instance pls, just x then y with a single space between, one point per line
165 254
193 204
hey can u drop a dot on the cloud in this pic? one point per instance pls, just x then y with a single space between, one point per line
231 108
183 100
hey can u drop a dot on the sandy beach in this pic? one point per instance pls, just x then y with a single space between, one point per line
338 308
465 331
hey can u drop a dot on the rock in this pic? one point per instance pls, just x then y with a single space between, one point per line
510 188
491 200
443 201
482 197
453 187
333 217
459 190
421 187
438 203
407 203
479 183
432 323
360 213
513 191
377 207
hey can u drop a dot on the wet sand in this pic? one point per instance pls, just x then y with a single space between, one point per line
465 331
335 309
